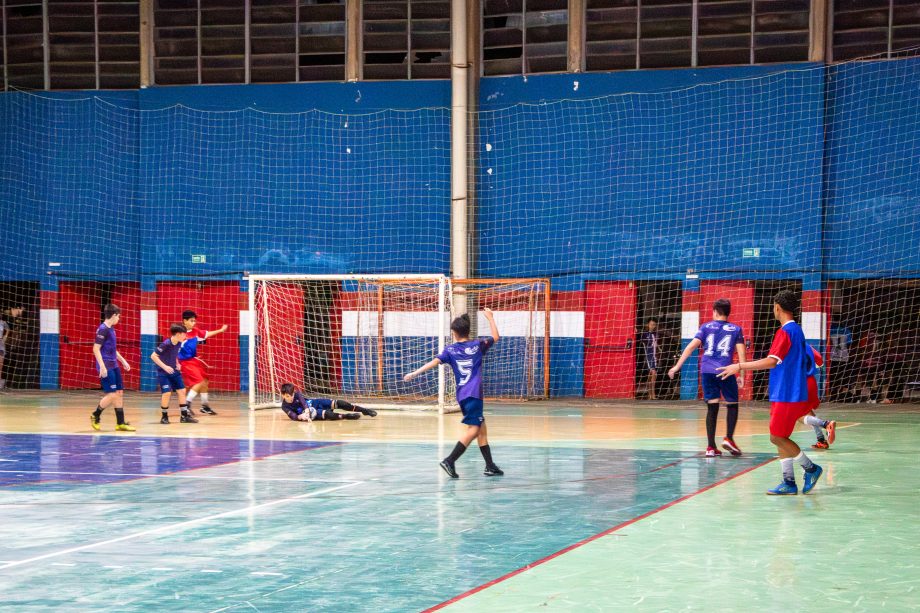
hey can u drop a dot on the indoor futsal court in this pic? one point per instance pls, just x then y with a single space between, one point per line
461 305
603 506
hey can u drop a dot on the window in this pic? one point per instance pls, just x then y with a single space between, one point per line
408 39
524 36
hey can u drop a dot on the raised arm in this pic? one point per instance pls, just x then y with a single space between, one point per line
211 333
683 357
432 364
493 329
763 364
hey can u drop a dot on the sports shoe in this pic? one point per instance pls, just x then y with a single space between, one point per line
811 478
786 488
712 452
352 416
94 421
206 410
164 419
493 471
448 467
730 446
369 412
831 432
186 418
125 427
821 445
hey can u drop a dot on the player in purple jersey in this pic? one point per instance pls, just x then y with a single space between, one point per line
105 350
720 340
169 375
298 408
465 359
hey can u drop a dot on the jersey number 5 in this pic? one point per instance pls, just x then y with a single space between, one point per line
466 369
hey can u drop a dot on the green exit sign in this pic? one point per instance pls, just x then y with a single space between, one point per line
199 259
750 252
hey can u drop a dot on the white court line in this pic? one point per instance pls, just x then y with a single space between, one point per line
164 476
179 526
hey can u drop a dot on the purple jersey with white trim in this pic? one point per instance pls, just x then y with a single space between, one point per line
719 339
105 338
465 360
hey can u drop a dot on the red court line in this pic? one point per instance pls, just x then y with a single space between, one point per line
592 538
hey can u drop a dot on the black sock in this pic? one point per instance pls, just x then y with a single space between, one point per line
98 412
456 453
344 405
731 419
486 454
165 410
183 408
821 439
119 415
712 415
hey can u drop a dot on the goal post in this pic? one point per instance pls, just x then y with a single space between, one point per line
355 337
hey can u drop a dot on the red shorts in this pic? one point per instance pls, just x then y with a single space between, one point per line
783 415
194 372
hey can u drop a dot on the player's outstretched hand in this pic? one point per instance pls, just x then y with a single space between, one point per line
127 366
488 313
671 373
223 328
729 371
409 377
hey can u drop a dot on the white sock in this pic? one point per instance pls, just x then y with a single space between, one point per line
788 472
803 461
204 398
190 396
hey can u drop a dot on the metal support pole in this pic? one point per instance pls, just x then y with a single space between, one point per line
817 31
576 59
46 46
247 43
353 31
146 43
458 153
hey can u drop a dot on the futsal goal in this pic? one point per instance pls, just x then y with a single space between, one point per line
356 336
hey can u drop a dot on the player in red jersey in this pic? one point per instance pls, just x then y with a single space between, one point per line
194 369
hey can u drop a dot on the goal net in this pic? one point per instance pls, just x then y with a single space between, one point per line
357 336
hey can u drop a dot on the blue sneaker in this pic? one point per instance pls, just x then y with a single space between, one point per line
786 488
811 478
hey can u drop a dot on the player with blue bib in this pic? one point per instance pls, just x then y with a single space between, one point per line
792 366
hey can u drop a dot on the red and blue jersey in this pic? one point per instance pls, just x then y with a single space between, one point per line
719 339
795 364
465 360
189 348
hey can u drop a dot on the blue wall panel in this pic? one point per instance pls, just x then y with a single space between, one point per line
666 181
873 169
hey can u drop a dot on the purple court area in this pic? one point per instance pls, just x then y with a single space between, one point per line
40 458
